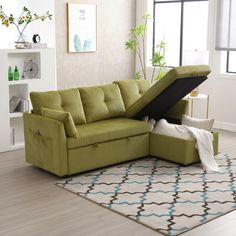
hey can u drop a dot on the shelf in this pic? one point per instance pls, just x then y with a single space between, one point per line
17 82
15 114
25 81
15 51
11 124
20 57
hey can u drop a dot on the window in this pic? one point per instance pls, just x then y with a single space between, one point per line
182 25
231 62
226 33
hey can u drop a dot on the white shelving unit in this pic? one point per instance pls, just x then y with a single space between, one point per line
45 80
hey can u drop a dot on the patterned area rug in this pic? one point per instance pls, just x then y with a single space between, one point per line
164 196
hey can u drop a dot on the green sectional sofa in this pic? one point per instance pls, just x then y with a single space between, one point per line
79 129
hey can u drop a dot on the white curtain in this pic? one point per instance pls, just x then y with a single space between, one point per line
226 25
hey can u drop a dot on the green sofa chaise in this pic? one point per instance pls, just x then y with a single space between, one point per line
80 129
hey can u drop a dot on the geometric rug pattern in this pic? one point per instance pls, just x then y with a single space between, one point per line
166 197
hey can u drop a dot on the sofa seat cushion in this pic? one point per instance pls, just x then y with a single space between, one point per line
63 100
131 90
102 102
106 130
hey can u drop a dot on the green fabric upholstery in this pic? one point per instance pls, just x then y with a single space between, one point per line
176 112
45 143
107 153
107 130
167 80
64 100
177 150
64 117
102 102
101 135
132 90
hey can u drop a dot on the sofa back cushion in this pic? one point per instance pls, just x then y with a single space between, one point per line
63 100
102 102
132 90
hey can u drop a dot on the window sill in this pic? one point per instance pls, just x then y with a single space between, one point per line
226 76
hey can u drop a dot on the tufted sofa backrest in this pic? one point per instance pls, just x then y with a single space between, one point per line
92 103
102 102
63 100
132 90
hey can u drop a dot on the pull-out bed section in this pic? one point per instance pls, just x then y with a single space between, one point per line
163 100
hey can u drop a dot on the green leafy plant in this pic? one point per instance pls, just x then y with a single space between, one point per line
158 61
136 44
23 20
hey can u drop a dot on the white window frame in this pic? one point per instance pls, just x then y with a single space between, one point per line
217 59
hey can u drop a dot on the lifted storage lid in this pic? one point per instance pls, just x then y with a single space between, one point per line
163 95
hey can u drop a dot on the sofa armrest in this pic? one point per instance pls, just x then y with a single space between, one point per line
174 115
45 143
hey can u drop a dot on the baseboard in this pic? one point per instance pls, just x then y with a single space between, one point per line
225 126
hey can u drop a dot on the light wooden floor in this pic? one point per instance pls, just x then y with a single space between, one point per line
30 205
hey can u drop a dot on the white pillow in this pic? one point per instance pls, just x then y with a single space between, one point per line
206 124
178 131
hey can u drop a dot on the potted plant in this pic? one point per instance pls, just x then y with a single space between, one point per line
136 44
25 18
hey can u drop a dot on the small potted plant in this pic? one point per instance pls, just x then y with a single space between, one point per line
25 18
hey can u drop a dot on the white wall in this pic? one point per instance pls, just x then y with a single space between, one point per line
220 86
8 35
111 61
142 7
46 29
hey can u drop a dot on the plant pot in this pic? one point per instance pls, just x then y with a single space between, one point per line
195 92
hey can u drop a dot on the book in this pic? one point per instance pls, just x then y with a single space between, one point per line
14 102
23 106
36 45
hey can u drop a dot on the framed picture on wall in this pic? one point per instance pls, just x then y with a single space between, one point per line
82 27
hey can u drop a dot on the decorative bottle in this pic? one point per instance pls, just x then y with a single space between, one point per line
16 73
10 74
